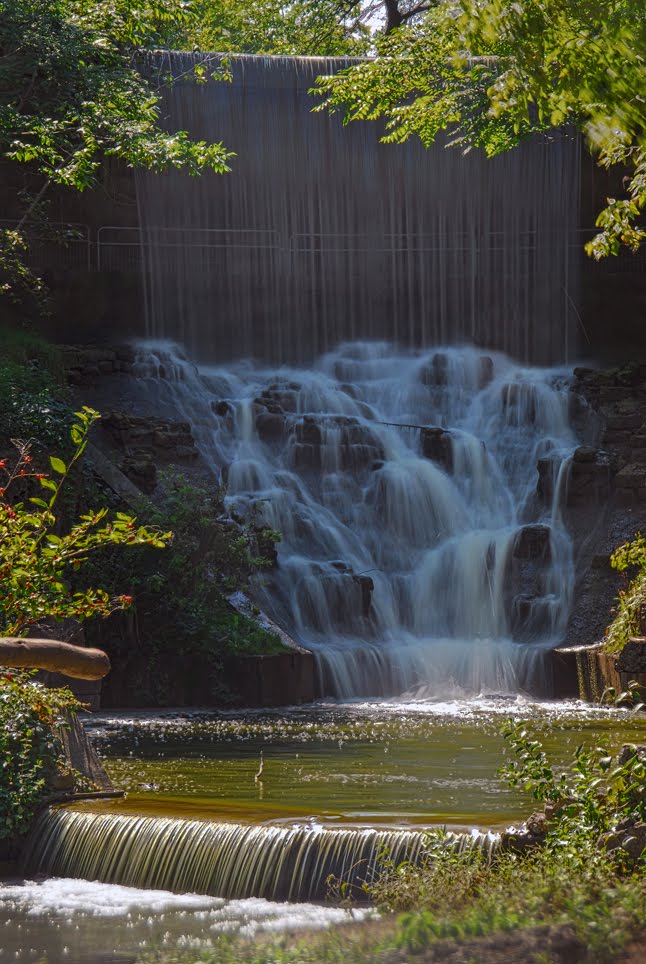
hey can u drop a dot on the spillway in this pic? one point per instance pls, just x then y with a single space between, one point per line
220 859
322 234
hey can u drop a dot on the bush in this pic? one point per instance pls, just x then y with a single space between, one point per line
631 610
183 627
31 385
37 559
30 753
570 877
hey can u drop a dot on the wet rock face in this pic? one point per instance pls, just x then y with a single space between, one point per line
436 373
630 484
271 410
333 443
334 594
530 618
533 543
528 607
222 408
279 398
83 365
519 403
146 442
437 445
589 478
618 398
271 426
632 658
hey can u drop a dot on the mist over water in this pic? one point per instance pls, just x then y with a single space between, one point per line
417 557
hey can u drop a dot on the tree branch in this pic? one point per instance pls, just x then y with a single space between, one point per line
76 661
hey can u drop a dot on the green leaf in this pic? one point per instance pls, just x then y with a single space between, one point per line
57 465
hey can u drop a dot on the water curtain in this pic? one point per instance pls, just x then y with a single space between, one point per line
221 859
322 234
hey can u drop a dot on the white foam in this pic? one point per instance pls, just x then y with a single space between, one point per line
66 898
82 922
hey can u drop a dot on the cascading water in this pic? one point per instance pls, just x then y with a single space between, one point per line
225 860
321 234
417 555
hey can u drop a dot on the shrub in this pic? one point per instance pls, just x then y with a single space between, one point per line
31 386
30 753
36 560
570 878
631 610
184 627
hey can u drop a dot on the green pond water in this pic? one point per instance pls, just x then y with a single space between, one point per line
364 764
395 764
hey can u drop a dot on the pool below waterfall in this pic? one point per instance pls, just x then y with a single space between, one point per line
363 764
337 781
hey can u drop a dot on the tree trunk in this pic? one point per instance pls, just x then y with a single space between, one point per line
56 657
394 18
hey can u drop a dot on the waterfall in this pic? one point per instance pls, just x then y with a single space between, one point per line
220 859
419 555
322 234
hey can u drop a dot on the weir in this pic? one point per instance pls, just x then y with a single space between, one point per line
321 234
420 551
220 859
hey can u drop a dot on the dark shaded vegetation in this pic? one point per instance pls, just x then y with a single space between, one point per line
32 761
171 647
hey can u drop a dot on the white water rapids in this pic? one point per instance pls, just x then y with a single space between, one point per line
416 556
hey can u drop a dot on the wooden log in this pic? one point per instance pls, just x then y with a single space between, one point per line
78 662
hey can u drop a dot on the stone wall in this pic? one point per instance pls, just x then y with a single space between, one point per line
606 493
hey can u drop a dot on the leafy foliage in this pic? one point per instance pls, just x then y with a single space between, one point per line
571 878
491 72
631 609
183 620
30 752
71 95
32 401
300 27
36 560
631 697
593 798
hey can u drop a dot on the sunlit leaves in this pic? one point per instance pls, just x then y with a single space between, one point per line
595 795
71 95
30 753
36 560
293 28
491 72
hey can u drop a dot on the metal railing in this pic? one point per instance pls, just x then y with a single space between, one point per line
56 244
125 248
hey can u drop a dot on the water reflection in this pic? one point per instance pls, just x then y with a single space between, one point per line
372 764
